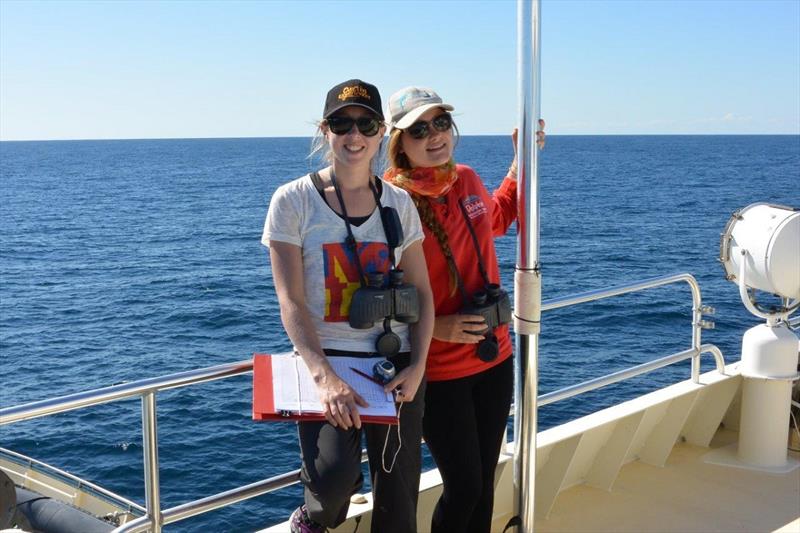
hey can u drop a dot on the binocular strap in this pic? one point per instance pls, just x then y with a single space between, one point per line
351 240
481 263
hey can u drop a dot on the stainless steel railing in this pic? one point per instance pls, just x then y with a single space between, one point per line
698 309
622 375
120 392
146 389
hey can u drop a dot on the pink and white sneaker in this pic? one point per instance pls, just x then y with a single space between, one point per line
300 522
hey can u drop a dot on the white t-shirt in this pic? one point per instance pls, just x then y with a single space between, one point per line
298 215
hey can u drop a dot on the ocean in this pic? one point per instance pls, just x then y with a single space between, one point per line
121 260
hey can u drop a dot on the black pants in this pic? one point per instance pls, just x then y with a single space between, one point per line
331 469
463 426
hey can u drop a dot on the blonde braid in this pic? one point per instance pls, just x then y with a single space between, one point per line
428 217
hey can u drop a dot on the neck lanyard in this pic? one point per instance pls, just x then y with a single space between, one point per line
350 241
474 242
481 267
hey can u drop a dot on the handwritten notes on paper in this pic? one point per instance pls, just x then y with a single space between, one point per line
294 389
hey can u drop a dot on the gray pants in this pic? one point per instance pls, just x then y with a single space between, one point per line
331 469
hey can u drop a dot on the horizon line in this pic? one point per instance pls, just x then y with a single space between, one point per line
464 135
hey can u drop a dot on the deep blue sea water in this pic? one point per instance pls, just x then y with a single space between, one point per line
121 260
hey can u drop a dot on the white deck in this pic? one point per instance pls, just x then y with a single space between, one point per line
639 466
684 495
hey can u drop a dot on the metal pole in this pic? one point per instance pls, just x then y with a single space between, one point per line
152 491
527 276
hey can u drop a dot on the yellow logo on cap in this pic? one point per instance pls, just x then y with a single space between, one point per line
354 92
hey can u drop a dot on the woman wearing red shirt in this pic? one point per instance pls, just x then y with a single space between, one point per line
469 369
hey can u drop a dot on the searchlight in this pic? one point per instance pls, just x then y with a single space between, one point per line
760 251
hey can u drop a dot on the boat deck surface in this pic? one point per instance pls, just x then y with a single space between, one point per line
687 494
661 455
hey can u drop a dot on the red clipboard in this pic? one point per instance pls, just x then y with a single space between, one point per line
264 400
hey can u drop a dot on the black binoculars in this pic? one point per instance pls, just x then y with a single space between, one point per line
494 305
376 302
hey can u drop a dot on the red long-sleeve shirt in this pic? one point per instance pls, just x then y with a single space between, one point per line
490 216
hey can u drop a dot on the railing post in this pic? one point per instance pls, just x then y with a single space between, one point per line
152 489
697 327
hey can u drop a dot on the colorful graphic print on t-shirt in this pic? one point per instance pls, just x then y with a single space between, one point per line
341 274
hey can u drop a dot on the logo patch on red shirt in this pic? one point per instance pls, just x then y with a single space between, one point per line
474 206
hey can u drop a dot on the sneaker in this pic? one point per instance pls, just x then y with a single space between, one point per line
300 522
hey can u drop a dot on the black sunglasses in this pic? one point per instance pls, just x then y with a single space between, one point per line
368 126
421 129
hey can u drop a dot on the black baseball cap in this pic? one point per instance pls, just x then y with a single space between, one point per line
353 92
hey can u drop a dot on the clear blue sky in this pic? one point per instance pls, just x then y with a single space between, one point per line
97 69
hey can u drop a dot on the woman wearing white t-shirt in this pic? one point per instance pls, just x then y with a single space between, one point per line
327 232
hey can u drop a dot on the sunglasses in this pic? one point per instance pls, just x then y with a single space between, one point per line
421 129
368 126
